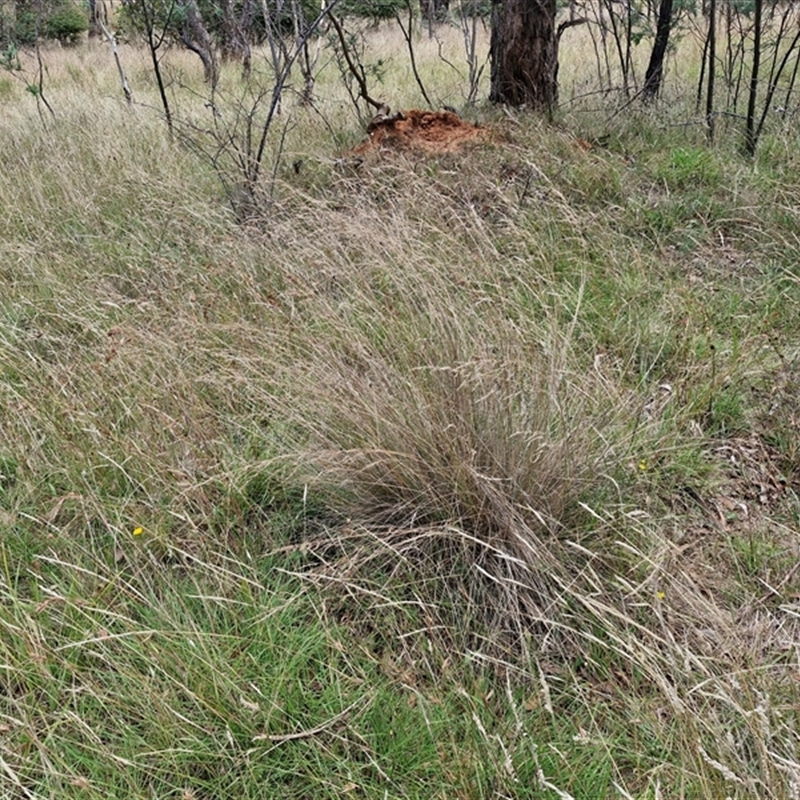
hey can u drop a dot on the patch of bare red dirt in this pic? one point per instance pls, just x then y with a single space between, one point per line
430 132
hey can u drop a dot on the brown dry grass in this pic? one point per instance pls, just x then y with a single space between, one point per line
445 378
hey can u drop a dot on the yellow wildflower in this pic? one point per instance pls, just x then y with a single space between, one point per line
138 531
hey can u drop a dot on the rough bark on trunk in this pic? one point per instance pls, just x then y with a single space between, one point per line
94 26
751 138
524 54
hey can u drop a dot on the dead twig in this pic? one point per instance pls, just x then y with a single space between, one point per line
306 734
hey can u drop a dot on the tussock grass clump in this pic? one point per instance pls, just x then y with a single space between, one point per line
424 402
492 442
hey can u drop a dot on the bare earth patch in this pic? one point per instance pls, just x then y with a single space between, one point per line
430 132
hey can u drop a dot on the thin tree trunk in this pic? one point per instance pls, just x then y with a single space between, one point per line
612 18
629 73
655 69
434 10
792 82
773 84
739 56
712 58
701 81
750 139
112 43
154 42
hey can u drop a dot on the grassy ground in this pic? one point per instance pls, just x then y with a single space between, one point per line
471 476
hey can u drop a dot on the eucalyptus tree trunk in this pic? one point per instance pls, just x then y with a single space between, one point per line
195 37
94 26
524 54
237 28
434 10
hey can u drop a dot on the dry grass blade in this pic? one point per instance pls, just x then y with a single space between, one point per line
310 732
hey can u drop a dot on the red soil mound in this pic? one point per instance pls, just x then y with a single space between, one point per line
428 131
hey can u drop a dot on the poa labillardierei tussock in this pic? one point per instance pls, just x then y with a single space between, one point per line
422 404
